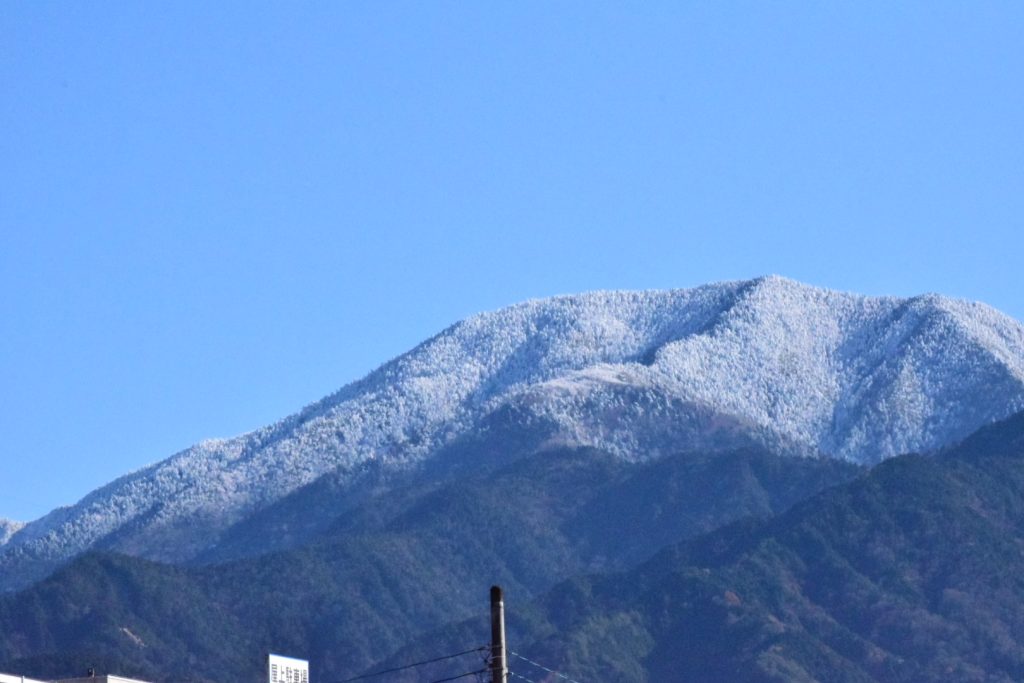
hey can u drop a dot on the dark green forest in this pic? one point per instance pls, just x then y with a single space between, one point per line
393 568
742 566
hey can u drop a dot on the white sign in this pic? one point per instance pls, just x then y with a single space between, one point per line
287 670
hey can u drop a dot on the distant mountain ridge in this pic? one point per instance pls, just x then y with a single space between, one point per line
636 374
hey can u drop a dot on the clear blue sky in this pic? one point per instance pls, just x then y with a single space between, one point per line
212 214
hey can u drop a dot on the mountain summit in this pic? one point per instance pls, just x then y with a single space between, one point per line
636 374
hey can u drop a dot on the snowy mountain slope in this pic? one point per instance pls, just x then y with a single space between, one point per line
633 373
8 528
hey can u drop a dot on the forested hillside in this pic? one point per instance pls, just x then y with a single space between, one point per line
392 568
913 573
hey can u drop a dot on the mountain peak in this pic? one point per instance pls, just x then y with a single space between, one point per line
638 374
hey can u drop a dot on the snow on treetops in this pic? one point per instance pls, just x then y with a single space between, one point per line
633 373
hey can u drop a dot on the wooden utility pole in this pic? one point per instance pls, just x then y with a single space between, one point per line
499 655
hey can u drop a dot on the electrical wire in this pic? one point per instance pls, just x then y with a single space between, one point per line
423 663
520 676
541 666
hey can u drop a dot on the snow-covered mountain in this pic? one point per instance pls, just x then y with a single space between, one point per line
8 528
633 373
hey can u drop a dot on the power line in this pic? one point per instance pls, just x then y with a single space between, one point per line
528 680
541 666
423 663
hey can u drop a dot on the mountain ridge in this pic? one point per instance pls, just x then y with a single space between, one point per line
884 593
390 566
909 573
633 373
